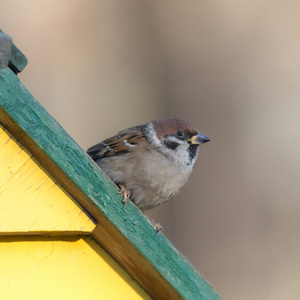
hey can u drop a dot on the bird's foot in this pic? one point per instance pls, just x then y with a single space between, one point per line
125 192
158 228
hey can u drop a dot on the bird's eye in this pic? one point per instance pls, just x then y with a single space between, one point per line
180 134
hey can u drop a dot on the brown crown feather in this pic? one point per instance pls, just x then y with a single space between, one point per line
164 127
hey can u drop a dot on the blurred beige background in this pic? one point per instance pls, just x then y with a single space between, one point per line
232 69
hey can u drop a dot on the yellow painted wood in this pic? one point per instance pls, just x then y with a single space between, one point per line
68 268
30 199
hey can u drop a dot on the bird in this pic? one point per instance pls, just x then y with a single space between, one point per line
150 162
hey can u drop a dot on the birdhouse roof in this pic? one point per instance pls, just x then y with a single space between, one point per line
126 234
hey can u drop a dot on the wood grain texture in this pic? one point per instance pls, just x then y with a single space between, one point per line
31 202
125 233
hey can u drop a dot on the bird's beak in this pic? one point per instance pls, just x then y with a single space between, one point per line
198 139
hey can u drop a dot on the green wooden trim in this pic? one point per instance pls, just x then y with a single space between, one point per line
17 106
17 60
5 49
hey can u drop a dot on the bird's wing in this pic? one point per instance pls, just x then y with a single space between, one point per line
122 143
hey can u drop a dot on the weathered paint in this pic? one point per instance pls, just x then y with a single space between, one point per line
30 199
68 268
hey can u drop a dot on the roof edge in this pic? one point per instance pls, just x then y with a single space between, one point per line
125 233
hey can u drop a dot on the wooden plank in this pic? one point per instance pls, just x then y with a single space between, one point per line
68 268
125 233
5 49
17 60
31 202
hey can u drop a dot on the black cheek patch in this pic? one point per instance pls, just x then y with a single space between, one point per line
171 145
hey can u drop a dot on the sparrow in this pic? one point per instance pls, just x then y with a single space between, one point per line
150 162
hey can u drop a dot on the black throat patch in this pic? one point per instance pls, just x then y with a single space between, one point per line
193 149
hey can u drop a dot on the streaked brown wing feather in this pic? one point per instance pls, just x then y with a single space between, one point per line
119 144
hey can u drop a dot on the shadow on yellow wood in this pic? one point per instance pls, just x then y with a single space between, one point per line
62 268
30 200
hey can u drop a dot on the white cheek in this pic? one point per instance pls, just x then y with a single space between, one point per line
183 155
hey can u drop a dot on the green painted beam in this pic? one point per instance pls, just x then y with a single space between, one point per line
18 61
10 55
33 125
5 49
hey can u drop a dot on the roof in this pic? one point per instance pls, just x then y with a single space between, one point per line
126 234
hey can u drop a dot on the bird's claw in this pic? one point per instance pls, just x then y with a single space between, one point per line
158 228
126 194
